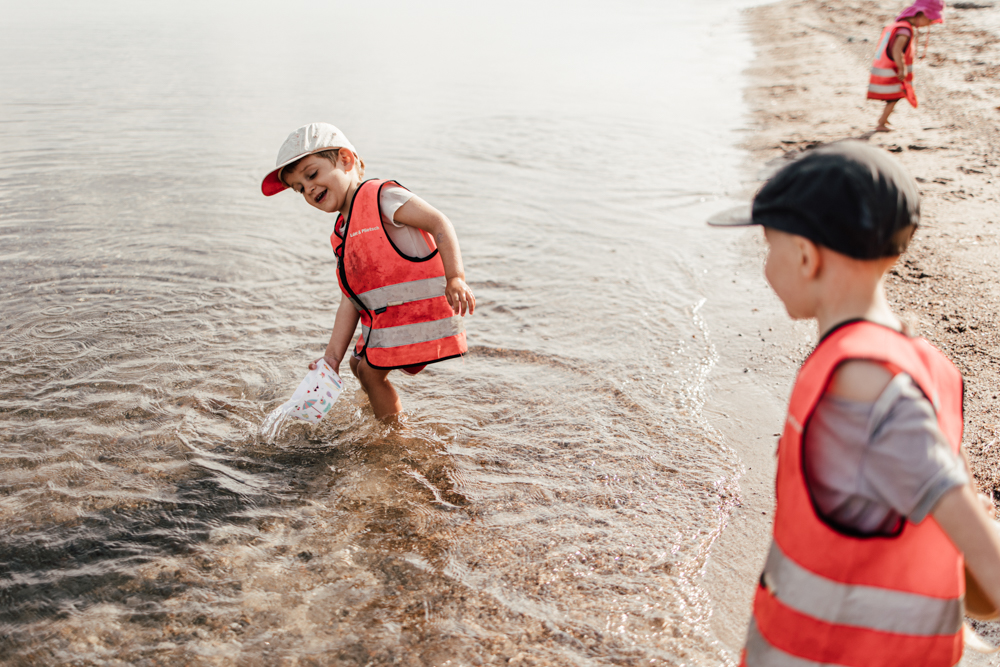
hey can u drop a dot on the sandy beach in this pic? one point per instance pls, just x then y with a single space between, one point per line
807 87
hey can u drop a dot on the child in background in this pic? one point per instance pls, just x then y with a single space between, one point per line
875 507
398 264
892 70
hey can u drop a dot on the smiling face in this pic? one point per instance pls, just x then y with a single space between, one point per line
324 183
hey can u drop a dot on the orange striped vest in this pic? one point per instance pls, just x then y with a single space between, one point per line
830 598
405 317
883 81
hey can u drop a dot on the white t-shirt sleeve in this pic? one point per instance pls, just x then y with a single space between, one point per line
868 465
392 198
408 240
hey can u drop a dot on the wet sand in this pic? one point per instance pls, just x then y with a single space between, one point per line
807 87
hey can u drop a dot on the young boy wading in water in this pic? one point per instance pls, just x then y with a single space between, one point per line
875 514
398 264
891 77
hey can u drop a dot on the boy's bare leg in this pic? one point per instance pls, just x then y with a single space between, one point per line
883 121
381 394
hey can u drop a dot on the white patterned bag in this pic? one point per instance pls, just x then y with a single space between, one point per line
311 401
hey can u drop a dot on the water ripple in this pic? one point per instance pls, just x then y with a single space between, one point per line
552 495
52 330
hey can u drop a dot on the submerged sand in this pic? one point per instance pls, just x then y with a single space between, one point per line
807 87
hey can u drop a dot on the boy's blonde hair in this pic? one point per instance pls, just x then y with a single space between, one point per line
331 154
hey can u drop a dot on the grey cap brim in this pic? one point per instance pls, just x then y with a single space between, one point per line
739 216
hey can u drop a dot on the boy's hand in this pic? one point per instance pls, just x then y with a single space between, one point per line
460 296
334 364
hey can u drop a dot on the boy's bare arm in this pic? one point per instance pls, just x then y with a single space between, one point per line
860 380
418 213
340 338
961 515
898 46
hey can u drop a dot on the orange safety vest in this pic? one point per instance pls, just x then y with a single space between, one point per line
827 597
405 318
884 83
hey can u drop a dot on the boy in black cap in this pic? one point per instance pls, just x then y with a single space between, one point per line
875 514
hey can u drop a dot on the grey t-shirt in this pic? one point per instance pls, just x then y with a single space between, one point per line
869 465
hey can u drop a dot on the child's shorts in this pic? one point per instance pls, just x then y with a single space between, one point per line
409 370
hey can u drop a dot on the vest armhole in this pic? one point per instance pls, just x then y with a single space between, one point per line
831 524
388 237
892 40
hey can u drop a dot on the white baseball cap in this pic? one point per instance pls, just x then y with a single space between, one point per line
308 139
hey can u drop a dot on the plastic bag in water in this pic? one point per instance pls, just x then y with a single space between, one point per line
311 401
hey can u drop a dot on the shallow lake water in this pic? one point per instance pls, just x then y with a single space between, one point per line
550 499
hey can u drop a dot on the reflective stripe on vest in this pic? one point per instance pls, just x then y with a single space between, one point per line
408 334
405 317
888 73
759 653
397 295
830 598
867 606
885 89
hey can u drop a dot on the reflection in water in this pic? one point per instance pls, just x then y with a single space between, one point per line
550 499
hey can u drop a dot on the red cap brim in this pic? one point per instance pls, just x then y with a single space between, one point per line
272 185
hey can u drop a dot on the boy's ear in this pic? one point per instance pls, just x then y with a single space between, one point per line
810 258
345 156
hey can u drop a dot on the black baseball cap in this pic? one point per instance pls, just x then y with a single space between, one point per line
849 196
